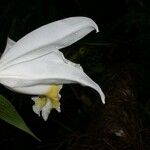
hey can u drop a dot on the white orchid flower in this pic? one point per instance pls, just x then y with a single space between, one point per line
34 65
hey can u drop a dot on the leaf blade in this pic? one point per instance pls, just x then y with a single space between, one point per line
9 114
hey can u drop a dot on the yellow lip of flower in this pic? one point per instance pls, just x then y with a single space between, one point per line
44 104
54 96
41 101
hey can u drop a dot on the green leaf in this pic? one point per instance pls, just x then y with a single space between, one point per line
9 114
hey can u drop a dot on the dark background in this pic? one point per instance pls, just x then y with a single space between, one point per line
117 58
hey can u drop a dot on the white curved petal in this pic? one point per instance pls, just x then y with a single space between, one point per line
43 71
33 90
33 55
56 35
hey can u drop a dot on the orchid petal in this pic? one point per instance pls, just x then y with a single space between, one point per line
37 109
40 102
44 71
46 110
56 35
33 90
